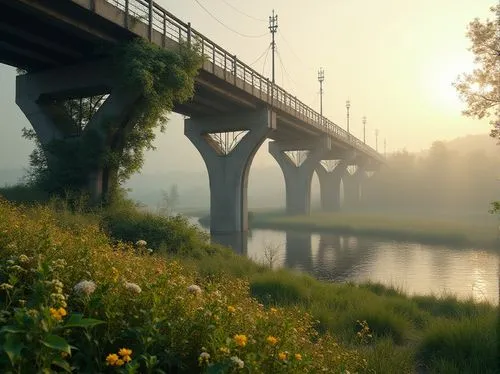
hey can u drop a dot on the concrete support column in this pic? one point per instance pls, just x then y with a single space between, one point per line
228 173
298 177
41 96
353 187
329 184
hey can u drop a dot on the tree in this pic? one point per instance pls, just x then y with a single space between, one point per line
480 90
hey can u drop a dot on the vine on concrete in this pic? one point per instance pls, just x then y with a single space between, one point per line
164 78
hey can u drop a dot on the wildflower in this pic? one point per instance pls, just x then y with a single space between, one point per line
271 340
58 314
282 356
194 289
6 286
126 359
133 287
114 273
111 359
240 340
231 309
23 259
224 350
274 310
85 287
298 356
125 352
238 362
119 362
204 357
141 243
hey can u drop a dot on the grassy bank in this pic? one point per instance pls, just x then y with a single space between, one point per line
458 233
242 313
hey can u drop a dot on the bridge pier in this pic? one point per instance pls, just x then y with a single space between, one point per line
228 165
353 187
42 97
329 184
298 176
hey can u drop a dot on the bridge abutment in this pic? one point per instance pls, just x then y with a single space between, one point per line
227 144
298 173
43 97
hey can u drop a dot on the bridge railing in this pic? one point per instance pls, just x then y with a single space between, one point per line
159 19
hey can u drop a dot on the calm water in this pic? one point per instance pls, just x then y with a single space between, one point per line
416 268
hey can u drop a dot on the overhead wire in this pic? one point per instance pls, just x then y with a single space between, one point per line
243 13
226 26
265 60
291 49
262 55
286 72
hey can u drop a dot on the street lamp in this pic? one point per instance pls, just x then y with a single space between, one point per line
348 106
321 78
364 129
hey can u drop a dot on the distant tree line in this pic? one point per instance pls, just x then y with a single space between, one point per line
441 181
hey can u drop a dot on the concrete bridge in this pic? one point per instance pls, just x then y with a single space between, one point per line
62 45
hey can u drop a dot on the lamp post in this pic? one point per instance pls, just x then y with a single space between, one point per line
385 147
376 140
364 129
348 106
321 78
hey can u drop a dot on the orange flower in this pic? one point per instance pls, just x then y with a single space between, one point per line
271 340
240 340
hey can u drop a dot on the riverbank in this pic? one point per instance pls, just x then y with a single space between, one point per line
301 325
460 233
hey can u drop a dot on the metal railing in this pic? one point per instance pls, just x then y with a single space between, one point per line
159 19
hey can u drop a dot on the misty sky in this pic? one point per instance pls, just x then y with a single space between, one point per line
394 59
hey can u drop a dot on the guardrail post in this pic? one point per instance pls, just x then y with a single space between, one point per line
235 61
189 33
164 40
225 64
126 14
150 16
213 59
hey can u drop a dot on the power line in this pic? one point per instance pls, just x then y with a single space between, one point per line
243 13
226 26
295 54
262 55
265 60
286 72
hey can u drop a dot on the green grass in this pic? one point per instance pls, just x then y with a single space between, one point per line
409 334
459 232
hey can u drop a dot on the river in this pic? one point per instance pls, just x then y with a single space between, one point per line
411 267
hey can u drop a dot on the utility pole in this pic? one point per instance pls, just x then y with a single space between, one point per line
348 106
273 27
376 140
385 147
364 129
321 78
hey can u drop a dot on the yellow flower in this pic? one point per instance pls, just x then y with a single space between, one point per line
126 358
125 352
271 340
111 359
62 312
119 362
231 309
282 356
114 273
240 340
298 356
274 310
55 314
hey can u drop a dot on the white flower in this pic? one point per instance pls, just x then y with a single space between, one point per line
150 250
204 356
141 243
84 287
195 289
23 259
238 362
6 286
133 287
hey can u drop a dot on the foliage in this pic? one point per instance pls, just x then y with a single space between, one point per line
481 88
70 300
163 77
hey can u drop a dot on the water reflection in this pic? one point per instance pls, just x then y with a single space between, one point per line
414 268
